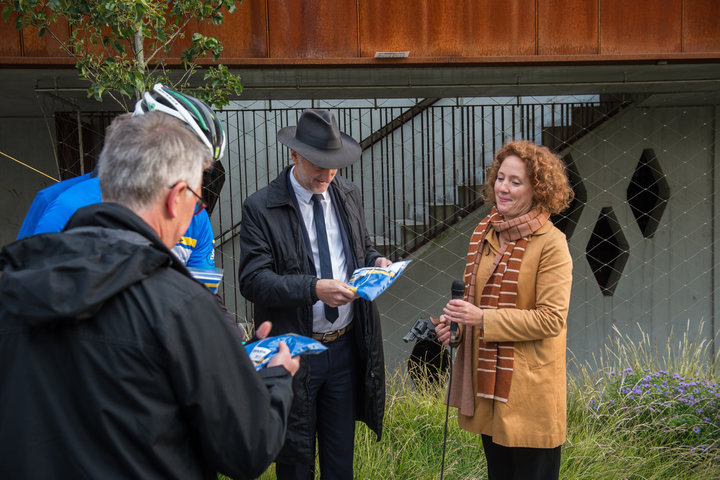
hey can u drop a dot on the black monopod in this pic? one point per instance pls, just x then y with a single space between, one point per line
457 290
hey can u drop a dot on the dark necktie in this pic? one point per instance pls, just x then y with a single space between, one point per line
326 271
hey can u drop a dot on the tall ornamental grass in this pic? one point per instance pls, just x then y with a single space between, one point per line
643 411
646 411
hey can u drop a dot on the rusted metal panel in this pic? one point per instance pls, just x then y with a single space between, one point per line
317 29
650 26
439 29
45 46
243 34
505 28
567 27
349 32
10 43
424 28
701 26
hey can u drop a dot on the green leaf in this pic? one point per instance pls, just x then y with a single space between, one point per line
7 11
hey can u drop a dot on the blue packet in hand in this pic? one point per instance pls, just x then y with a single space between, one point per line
370 282
262 351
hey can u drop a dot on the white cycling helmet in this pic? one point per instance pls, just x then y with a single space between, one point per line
195 113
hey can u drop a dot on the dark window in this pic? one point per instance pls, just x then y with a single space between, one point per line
648 193
607 251
568 220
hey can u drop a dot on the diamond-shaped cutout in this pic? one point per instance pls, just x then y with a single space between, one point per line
648 193
607 251
568 220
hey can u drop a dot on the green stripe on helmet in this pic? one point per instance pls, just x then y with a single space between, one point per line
198 115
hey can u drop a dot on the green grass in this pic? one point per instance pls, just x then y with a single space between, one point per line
642 412
645 412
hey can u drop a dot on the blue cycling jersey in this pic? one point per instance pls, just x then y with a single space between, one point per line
195 248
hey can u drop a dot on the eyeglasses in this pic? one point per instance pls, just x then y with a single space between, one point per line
200 204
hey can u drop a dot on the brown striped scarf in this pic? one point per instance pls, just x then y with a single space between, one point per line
495 360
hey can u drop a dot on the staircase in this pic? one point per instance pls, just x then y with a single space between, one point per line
422 221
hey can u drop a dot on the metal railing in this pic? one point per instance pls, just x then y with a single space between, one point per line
422 167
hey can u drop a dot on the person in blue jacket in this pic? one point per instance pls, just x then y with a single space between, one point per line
195 248
42 199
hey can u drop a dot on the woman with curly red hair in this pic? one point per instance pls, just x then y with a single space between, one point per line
509 375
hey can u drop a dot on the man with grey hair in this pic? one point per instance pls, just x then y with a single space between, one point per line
115 362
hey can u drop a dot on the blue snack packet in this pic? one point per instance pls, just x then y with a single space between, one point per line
370 282
262 351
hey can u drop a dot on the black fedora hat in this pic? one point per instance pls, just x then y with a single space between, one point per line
319 140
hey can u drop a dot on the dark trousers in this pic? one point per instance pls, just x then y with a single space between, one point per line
519 463
333 388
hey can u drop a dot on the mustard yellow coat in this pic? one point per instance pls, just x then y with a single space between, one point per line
535 413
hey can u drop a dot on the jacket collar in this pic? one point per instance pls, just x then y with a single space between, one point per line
61 278
115 216
278 190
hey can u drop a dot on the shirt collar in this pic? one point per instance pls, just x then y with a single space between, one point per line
303 194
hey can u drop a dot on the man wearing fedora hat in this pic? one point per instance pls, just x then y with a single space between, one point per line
300 239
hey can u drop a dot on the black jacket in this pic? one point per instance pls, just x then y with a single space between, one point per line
116 363
278 276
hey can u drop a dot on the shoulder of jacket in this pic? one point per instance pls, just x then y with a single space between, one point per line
551 242
548 236
267 196
256 197
344 186
549 230
554 233
174 288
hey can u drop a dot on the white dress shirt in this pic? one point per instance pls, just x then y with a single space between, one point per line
337 253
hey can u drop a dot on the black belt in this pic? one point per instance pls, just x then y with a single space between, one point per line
328 337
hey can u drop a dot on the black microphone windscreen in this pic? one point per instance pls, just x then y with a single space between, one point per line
458 289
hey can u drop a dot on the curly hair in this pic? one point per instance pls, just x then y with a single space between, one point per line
551 189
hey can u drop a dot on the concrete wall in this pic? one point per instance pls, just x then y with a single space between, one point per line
668 279
26 140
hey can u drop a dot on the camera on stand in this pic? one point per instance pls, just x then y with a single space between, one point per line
428 360
423 329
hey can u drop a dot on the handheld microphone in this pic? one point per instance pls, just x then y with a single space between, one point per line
456 291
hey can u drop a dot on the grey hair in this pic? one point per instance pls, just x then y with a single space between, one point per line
146 154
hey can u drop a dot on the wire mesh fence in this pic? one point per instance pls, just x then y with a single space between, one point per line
642 177
642 230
